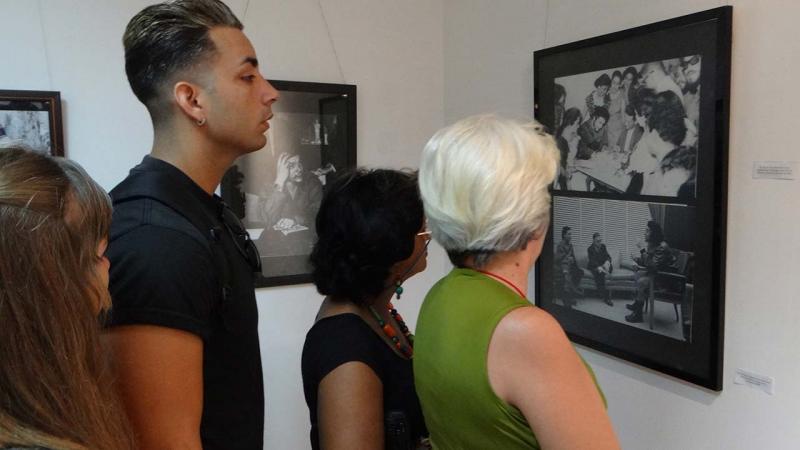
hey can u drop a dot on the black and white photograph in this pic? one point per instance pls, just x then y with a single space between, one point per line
31 119
277 190
630 130
630 262
634 263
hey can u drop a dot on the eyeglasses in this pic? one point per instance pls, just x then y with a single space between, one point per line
694 60
240 237
425 235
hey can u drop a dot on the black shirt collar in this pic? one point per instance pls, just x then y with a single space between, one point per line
181 180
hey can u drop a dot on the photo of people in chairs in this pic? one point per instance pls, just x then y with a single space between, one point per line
630 262
630 130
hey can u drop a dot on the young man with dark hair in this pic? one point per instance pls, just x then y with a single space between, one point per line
288 209
293 199
633 132
593 133
568 275
599 263
184 326
653 256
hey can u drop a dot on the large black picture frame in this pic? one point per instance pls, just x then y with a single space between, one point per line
314 125
32 119
681 188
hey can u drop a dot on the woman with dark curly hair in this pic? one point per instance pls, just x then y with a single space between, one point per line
673 171
599 96
356 360
630 82
616 107
567 141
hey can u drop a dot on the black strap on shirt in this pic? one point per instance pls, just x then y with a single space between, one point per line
157 186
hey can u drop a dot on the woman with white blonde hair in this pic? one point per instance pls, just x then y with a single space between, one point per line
491 370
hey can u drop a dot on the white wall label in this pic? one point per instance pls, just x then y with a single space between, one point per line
775 170
755 381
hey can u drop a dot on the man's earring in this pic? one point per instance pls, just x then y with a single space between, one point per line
201 122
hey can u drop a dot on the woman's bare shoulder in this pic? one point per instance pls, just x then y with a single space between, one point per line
531 329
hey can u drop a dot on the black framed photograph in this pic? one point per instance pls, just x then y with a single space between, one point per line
277 190
32 119
634 261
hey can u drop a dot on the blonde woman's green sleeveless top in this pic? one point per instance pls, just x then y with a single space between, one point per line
451 345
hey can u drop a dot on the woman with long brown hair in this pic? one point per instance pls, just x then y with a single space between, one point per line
55 390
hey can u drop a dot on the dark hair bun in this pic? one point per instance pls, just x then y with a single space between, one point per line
367 222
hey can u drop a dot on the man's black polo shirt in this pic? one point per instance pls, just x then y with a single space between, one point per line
165 276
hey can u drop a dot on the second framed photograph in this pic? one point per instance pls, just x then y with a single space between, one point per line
32 119
277 190
634 261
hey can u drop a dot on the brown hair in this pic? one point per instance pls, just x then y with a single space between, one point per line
55 386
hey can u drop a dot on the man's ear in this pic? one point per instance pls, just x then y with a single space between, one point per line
188 97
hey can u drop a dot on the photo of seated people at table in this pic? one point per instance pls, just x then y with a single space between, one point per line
630 262
277 191
630 130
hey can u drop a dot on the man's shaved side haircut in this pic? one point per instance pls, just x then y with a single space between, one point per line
164 40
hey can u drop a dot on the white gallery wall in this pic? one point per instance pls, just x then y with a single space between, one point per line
489 65
393 52
421 63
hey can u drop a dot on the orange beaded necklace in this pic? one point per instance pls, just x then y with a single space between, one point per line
389 331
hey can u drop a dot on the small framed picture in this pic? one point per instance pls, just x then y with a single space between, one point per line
32 119
277 190
634 264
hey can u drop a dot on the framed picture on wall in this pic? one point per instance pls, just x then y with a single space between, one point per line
32 119
276 191
634 263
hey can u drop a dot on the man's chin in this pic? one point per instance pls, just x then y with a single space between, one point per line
257 145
